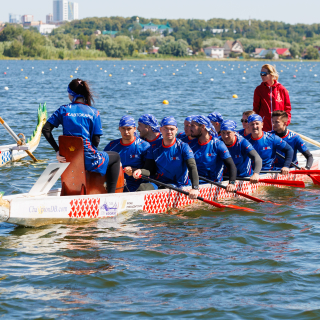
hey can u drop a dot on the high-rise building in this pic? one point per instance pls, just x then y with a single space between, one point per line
73 13
49 18
14 18
60 10
27 18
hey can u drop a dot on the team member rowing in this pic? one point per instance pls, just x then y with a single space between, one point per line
242 152
279 121
267 144
186 135
171 160
132 150
80 119
211 153
245 132
216 120
149 128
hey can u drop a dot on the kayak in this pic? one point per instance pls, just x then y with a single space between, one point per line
14 152
33 210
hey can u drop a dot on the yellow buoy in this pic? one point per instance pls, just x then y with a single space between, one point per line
110 75
200 72
281 70
142 67
26 77
244 71
122 68
71 76
223 72
235 96
50 69
21 69
165 102
100 68
173 74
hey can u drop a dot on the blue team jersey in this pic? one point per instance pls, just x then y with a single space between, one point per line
266 146
296 143
159 137
243 133
209 158
184 138
81 120
132 155
171 162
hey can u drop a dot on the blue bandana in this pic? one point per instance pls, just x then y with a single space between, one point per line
215 117
254 117
127 121
75 95
169 121
189 118
150 120
228 125
206 121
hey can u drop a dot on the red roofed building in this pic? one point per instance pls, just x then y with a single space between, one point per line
283 52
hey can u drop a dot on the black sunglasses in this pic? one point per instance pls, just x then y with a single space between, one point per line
263 74
246 121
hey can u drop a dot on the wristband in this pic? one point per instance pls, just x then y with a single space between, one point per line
232 182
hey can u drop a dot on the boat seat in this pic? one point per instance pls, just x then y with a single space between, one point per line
75 179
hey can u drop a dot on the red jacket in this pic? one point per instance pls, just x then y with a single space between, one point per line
271 98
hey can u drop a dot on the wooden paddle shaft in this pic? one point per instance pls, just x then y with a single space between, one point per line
16 138
314 142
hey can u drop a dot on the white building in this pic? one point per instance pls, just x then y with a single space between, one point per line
45 28
214 52
60 10
73 11
27 18
14 18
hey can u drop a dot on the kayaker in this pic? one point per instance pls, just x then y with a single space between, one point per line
171 161
210 153
242 152
80 119
216 120
149 128
185 136
270 96
279 121
132 150
267 144
245 132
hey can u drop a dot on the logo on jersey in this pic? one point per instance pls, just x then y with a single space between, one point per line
237 156
133 156
174 158
81 115
210 154
279 98
266 148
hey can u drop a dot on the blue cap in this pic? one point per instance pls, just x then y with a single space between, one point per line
127 121
228 125
149 120
189 118
254 117
215 117
168 121
206 121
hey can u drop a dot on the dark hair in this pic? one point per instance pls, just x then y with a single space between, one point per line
82 87
248 113
282 114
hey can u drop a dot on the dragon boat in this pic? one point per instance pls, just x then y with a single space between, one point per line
15 152
82 197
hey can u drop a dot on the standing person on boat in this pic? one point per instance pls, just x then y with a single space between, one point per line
270 96
279 121
210 153
242 152
267 144
149 128
186 135
216 120
80 119
245 132
171 160
132 150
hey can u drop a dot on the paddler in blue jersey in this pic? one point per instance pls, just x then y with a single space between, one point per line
279 124
171 161
80 119
242 152
210 153
216 120
267 144
149 128
186 135
245 132
132 150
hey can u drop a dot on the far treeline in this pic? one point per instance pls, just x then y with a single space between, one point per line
85 39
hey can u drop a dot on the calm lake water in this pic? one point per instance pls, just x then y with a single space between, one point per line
192 264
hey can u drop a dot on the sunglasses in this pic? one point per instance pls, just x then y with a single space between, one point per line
245 121
263 74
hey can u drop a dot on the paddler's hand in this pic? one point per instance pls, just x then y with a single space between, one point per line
285 170
137 174
303 168
128 171
193 194
61 159
231 187
254 178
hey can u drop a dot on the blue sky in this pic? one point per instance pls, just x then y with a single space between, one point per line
291 11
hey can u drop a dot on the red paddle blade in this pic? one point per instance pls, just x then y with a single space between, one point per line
315 179
219 205
290 183
255 199
305 171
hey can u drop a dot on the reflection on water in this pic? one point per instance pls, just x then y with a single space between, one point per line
198 262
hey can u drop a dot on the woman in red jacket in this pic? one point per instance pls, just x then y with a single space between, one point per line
270 96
